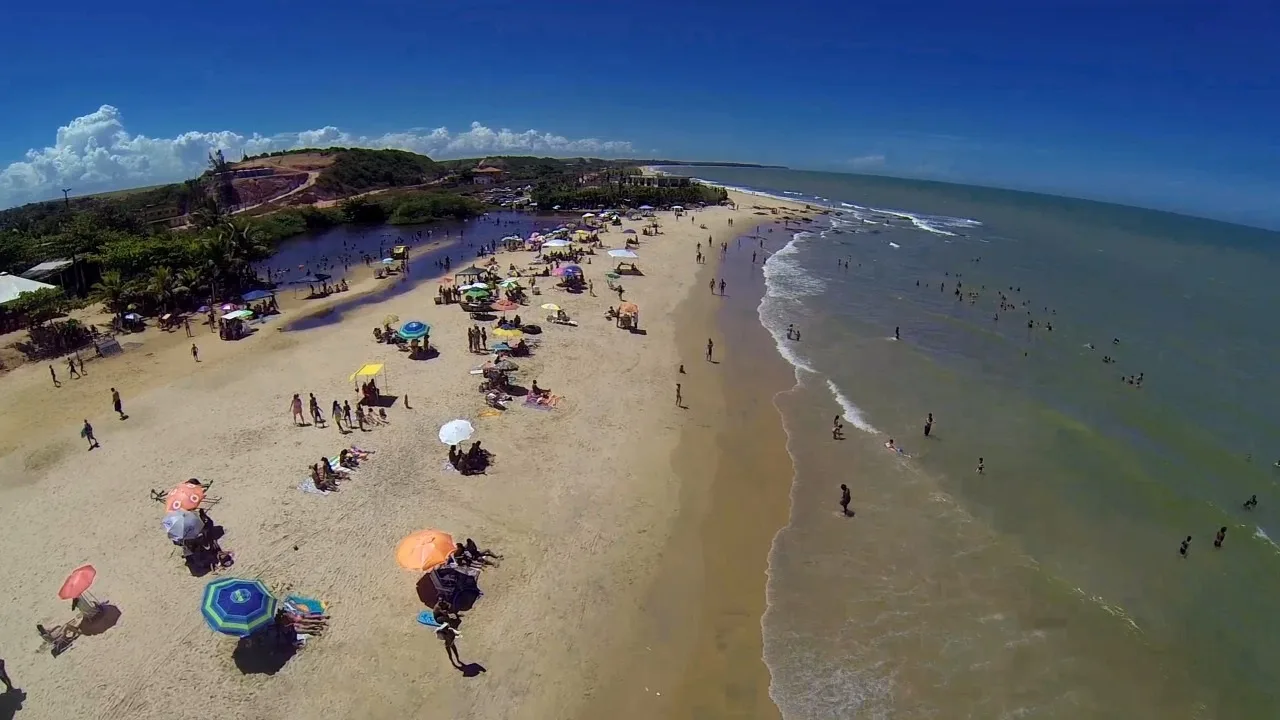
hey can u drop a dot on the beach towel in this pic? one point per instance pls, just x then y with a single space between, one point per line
309 486
531 401
428 618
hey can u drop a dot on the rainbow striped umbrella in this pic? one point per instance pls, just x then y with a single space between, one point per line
233 606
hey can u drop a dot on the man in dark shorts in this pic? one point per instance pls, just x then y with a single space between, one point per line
53 374
117 405
4 678
86 432
710 346
845 497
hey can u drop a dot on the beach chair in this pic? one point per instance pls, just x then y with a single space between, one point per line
58 638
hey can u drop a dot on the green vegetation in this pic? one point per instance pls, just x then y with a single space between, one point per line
355 170
618 195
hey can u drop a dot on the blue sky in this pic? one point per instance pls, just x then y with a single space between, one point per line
1163 104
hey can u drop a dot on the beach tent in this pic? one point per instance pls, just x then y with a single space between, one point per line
238 315
623 254
369 371
11 286
468 273
256 295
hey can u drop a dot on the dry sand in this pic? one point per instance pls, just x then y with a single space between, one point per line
582 501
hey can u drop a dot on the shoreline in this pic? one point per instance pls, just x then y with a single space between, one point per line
705 658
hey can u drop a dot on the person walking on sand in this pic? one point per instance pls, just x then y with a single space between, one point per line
710 347
317 417
679 396
295 410
346 412
71 369
845 497
450 637
722 286
117 405
186 325
4 678
86 432
195 352
484 340
712 285
336 412
53 374
80 363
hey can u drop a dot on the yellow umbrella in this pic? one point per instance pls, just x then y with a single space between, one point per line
424 550
391 320
507 333
551 306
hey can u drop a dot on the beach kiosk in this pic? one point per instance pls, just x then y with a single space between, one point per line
400 252
367 383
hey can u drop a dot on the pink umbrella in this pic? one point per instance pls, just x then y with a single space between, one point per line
78 582
505 306
229 307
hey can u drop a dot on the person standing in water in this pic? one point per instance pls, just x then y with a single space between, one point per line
845 497
981 466
897 333
1221 538
928 425
1186 545
1251 503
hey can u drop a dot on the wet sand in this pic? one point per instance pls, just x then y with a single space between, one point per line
698 653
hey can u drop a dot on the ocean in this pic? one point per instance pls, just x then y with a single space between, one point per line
1051 584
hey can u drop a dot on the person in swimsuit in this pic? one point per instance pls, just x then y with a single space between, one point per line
928 425
1186 545
1222 536
845 497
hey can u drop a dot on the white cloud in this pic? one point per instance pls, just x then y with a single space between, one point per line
95 153
867 161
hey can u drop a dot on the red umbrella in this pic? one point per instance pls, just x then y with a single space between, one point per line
78 582
505 306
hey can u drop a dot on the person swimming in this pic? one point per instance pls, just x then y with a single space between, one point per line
1251 503
1186 545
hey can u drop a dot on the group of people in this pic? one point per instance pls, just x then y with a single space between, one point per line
344 417
473 461
326 473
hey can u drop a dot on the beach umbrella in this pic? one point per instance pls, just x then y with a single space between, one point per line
507 333
186 496
500 347
132 316
556 243
613 276
455 432
78 582
677 207
506 306
572 270
414 329
628 309
233 606
388 261
476 294
203 309
425 550
509 282
392 319
506 365
182 525
551 306
588 215
623 254
228 307
475 286
646 207
629 231
255 295
322 277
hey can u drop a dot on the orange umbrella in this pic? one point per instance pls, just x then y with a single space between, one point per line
424 550
184 497
78 582
628 309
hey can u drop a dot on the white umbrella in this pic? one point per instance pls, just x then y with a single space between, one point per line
677 207
623 254
474 286
456 432
182 525
588 215
556 243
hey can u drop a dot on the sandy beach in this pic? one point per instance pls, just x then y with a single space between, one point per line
584 501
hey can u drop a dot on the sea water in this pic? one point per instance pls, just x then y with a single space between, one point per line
1050 585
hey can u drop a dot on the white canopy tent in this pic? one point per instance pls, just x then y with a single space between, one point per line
11 286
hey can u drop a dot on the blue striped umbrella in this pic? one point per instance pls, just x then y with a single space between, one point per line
413 330
233 606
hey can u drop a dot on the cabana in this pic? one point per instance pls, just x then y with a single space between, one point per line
370 371
469 275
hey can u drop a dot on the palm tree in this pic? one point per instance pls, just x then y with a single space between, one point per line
112 292
163 285
190 279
